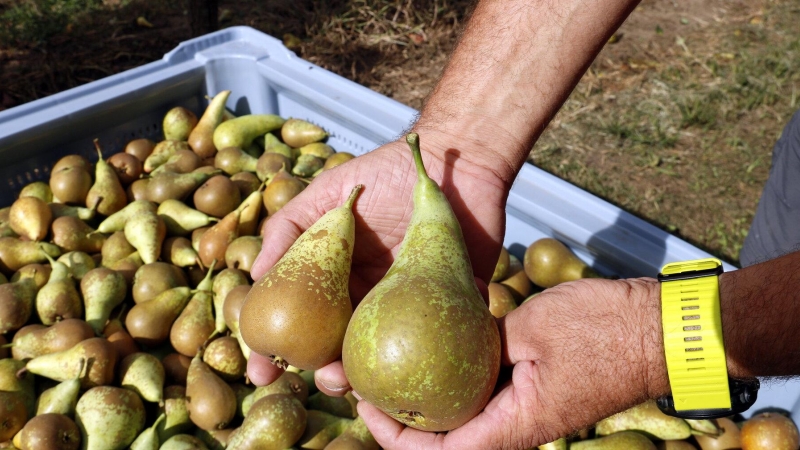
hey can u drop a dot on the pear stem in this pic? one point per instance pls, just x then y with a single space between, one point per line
99 150
412 139
9 345
353 195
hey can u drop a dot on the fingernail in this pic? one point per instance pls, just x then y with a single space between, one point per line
333 387
358 397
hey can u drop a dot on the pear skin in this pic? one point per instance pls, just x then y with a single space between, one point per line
103 290
59 298
182 219
305 293
100 357
356 436
211 401
63 397
298 132
195 324
146 232
116 221
30 217
148 439
107 191
149 322
548 262
399 358
16 253
176 420
143 373
201 139
275 421
178 123
110 418
35 340
646 418
629 440
225 281
216 239
321 429
12 409
75 235
16 304
49 432
241 131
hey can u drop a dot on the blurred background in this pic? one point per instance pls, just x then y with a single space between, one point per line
674 122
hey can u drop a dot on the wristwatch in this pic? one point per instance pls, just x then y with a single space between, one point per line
694 347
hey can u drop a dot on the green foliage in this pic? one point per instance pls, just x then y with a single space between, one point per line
34 21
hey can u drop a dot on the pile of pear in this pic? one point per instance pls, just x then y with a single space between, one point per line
121 284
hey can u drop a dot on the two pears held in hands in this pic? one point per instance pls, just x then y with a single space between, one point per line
421 327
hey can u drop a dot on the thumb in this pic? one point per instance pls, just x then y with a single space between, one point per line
516 336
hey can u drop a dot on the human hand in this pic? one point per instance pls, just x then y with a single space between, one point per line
578 352
476 191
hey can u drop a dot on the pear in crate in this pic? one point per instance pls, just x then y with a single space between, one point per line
107 191
71 184
289 383
645 417
73 234
317 149
178 251
38 189
103 290
49 432
225 281
211 401
19 382
100 357
281 188
110 418
162 152
176 413
149 322
178 123
232 160
225 358
143 373
117 221
321 429
548 263
128 167
181 219
183 161
274 422
201 139
214 242
59 298
402 358
250 213
629 440
148 439
16 253
79 212
63 397
140 148
35 340
78 263
195 324
270 163
242 252
155 278
175 186
298 132
241 131
12 410
337 159
146 233
356 436
16 303
30 217
217 197
305 294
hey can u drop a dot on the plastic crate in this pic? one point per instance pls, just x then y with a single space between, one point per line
265 77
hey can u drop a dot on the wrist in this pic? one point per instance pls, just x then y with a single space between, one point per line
647 302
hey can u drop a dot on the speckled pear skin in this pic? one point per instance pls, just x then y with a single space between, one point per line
298 311
422 345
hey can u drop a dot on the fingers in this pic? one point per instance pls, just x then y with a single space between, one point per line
261 371
391 434
331 379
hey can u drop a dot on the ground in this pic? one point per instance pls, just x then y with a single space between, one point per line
674 122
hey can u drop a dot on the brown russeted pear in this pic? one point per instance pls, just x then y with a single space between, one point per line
216 239
72 160
338 406
232 160
629 440
16 303
146 232
119 337
321 429
71 184
176 420
140 148
305 293
501 300
49 432
63 397
100 357
115 248
250 209
428 315
107 191
549 262
178 251
143 373
517 282
224 282
30 217
183 161
16 253
281 188
217 197
75 235
242 252
210 400
109 418
232 306
155 278
270 163
307 165
128 266
195 324
288 383
163 151
148 439
645 417
182 219
18 381
178 123
40 273
12 410
275 421
214 439
38 189
298 132
149 322
178 186
117 221
730 437
241 131
201 139
225 358
356 437
103 290
5 225
79 263
35 340
128 167
59 298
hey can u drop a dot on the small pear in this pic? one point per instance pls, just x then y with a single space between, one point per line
117 221
72 160
319 261
63 397
274 145
517 282
321 429
49 432
270 163
109 418
548 262
358 437
35 340
38 189
281 188
275 421
176 367
242 252
214 439
501 269
59 298
250 209
225 358
224 282
289 383
74 235
140 148
146 232
730 438
119 337
217 197
298 132
30 217
38 272
100 357
337 159
211 401
155 278
629 440
163 151
12 410
176 413
16 304
317 149
241 131
127 266
16 253
178 250
195 324
338 406
137 190
14 379
178 123
214 242
176 186
107 191
181 219
128 167
115 248
183 161
149 322
307 165
201 139
79 263
645 417
148 439
144 374
70 185
103 290
232 160
183 442
246 182
501 300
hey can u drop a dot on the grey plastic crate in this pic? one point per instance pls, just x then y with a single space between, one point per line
265 77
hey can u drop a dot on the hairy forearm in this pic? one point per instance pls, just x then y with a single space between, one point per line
513 68
760 308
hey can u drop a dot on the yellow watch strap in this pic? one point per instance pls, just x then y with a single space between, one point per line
693 344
